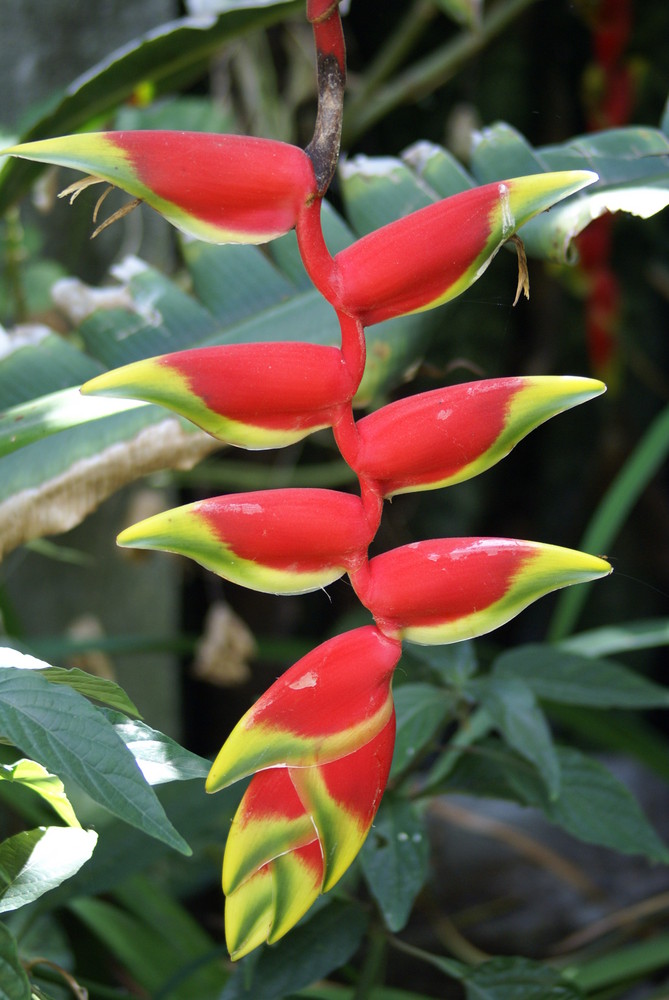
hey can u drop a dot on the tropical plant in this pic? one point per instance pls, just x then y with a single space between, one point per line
321 743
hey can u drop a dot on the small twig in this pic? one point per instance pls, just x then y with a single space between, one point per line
80 992
529 848
613 921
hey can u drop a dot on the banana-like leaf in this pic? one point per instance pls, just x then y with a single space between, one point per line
169 55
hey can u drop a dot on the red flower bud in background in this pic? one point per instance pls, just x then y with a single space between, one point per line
444 436
322 740
448 589
286 541
249 395
219 188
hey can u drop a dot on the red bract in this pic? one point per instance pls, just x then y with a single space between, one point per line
434 254
448 589
220 188
250 395
295 833
441 437
279 541
321 739
326 705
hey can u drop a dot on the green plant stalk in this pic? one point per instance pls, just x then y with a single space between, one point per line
371 974
612 513
395 50
429 73
622 966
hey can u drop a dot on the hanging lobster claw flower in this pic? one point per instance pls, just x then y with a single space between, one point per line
434 254
329 703
321 739
444 436
219 188
449 589
295 833
287 541
251 395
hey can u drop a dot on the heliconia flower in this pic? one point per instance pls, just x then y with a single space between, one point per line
449 589
219 188
328 704
434 254
444 436
321 739
295 833
263 395
284 541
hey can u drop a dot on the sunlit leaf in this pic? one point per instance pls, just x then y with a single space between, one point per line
32 775
33 862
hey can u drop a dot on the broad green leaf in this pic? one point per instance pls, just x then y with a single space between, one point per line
453 664
125 851
378 190
33 862
14 984
311 952
593 805
421 711
513 709
100 689
438 168
32 775
621 638
160 758
517 979
568 678
638 470
153 960
58 727
395 859
176 51
632 167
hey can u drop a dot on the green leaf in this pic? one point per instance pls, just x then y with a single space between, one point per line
311 952
151 959
156 940
14 984
35 861
160 758
632 167
58 727
567 678
32 775
452 664
395 859
517 979
421 711
513 709
606 522
178 50
592 805
100 689
623 638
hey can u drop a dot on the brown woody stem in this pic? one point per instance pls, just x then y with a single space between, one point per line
323 150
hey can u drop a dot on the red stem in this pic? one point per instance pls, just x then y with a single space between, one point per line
316 257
